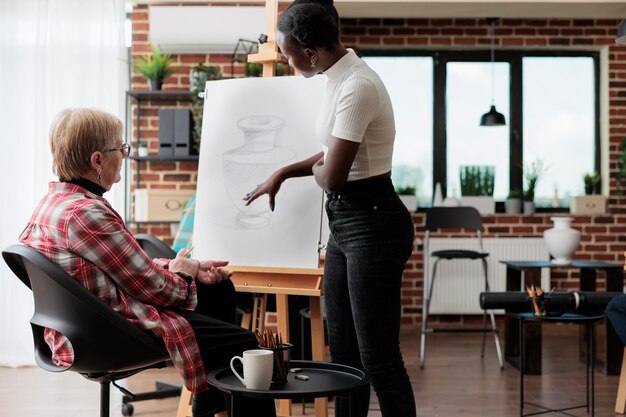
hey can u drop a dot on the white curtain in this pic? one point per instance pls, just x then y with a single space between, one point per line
54 54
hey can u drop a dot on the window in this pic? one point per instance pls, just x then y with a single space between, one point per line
549 99
411 92
468 97
559 124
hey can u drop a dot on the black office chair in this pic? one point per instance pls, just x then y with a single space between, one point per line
468 218
107 347
154 247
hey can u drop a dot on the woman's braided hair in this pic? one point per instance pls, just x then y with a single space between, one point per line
310 23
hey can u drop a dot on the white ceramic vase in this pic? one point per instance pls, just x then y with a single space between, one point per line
561 240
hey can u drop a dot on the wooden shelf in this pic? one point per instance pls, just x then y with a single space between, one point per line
164 158
160 95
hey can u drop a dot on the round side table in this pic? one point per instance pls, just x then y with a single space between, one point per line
324 379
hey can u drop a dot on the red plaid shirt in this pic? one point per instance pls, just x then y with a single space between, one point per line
84 235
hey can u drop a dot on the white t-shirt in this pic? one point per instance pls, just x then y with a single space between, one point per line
357 107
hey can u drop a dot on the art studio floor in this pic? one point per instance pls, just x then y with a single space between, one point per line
455 382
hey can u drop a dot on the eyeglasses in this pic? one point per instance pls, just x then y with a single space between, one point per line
124 149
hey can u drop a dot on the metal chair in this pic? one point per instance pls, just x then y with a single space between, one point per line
107 347
438 218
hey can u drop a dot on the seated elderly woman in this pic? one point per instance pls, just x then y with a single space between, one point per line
187 303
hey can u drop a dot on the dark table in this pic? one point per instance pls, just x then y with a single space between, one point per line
325 379
519 274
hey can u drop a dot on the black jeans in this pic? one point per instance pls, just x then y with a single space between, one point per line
371 238
219 340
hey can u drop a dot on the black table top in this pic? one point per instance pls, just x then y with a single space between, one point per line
548 264
561 318
325 379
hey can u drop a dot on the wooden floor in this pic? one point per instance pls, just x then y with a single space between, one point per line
455 382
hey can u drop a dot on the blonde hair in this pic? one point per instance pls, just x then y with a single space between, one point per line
76 134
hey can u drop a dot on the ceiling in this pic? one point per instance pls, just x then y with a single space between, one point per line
576 9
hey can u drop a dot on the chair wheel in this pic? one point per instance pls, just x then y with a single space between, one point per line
127 409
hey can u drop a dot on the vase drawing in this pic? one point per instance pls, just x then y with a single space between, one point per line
253 162
561 240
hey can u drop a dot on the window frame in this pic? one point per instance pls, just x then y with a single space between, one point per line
516 135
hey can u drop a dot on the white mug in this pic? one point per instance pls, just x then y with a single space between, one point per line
258 365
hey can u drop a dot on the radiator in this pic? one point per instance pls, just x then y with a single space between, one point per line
459 282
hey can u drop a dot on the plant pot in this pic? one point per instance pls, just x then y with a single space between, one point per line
588 189
142 151
156 84
484 204
410 201
561 240
513 205
529 207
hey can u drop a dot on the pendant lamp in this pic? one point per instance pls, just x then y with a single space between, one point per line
492 117
621 33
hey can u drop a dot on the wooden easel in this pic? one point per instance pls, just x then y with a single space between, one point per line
283 281
279 281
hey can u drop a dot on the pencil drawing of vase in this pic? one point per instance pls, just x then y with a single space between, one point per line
252 163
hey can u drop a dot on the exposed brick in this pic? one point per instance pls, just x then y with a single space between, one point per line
603 237
393 41
379 31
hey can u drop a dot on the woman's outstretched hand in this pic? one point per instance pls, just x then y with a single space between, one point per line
269 187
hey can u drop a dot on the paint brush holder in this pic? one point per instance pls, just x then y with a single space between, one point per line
282 359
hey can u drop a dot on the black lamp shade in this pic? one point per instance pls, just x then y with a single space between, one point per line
621 33
492 118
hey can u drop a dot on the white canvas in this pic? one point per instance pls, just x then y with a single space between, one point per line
250 128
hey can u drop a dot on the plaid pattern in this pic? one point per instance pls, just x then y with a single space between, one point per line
184 234
84 235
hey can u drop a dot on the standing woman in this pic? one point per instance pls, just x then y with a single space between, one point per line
371 230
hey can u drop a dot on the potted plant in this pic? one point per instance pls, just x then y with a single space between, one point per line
513 203
142 150
477 183
156 67
198 78
281 69
252 69
591 180
408 196
532 174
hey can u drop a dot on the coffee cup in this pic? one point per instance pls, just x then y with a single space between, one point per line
258 365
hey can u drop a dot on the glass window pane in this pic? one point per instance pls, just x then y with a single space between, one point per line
468 97
559 129
409 81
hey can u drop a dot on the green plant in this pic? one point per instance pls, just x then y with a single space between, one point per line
406 190
252 69
197 84
532 175
156 67
477 180
515 193
591 178
281 69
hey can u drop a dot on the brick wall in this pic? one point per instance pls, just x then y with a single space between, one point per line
603 237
